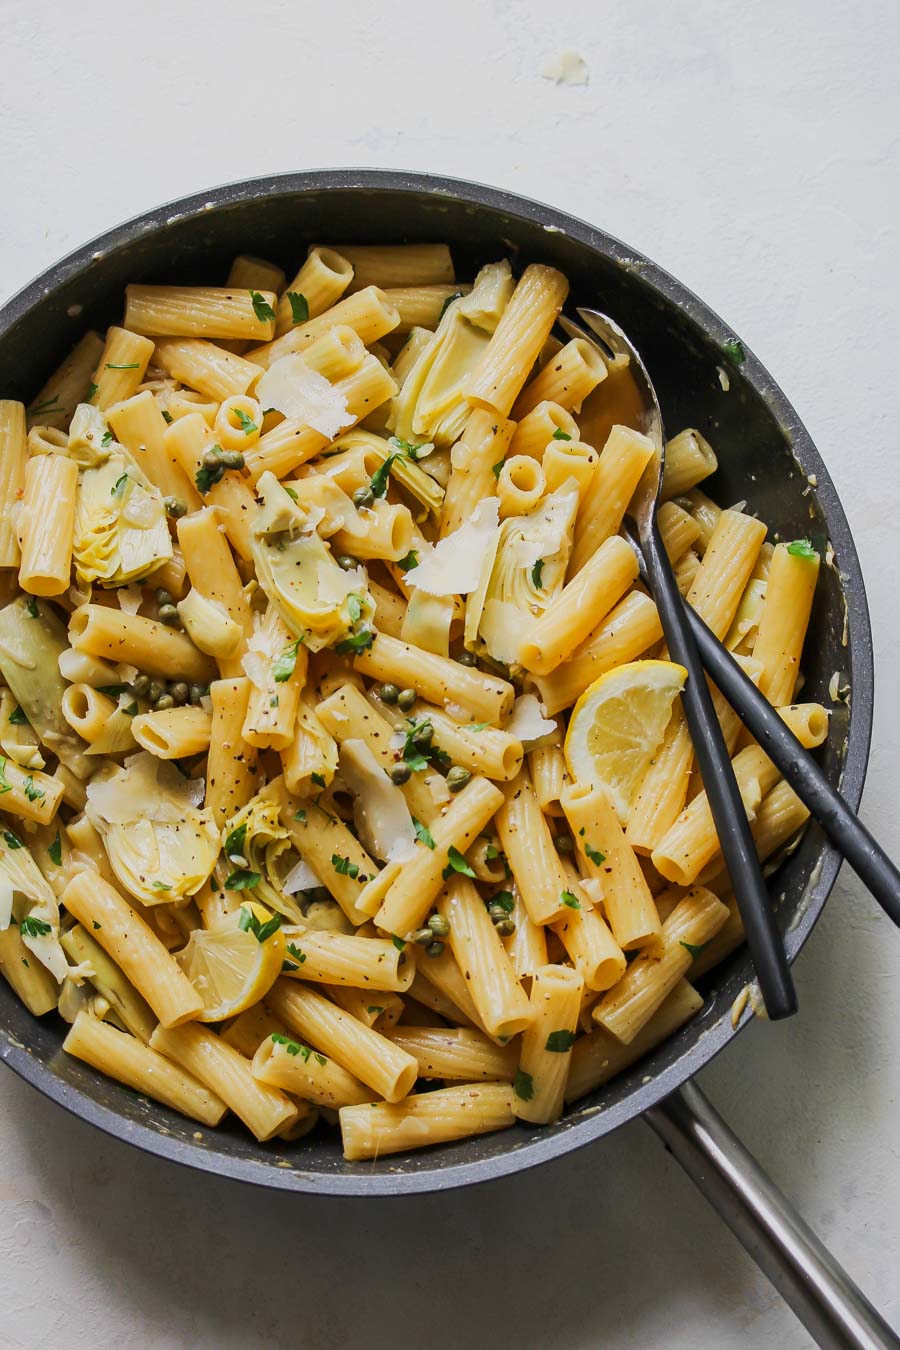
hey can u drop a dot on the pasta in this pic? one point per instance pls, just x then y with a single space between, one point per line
302 580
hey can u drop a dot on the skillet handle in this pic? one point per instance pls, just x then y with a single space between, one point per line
834 1311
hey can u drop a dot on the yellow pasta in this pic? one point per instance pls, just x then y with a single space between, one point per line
46 524
13 459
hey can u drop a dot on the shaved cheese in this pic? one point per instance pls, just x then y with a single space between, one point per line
292 388
301 877
567 67
130 598
379 808
454 566
528 723
503 628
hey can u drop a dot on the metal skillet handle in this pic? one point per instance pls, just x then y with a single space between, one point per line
831 1307
845 830
738 848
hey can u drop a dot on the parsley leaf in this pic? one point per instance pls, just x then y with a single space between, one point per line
318 779
242 879
208 475
594 854
693 951
31 606
5 785
570 901
735 349
560 1041
133 365
354 607
247 424
300 815
249 923
495 468
356 642
398 942
344 867
505 899
261 307
523 1085
55 851
285 664
477 726
34 794
802 548
449 301
537 573
379 480
423 834
106 439
90 392
299 306
456 863
167 417
161 886
234 843
32 927
407 448
294 951
12 840
560 435
411 560
118 487
290 1046
17 718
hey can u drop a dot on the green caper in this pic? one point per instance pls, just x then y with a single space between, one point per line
180 693
466 658
212 459
406 698
163 597
163 702
422 937
400 772
345 562
497 913
156 690
389 693
422 736
175 507
141 686
506 927
196 693
565 844
363 497
434 949
439 926
168 614
457 778
233 459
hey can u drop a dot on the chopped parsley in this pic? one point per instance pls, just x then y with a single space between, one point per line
299 306
106 439
284 666
290 1046
456 863
261 307
374 1009
247 424
570 901
32 927
449 301
477 726
411 560
167 417
161 886
423 834
356 642
560 1041
17 718
300 815
693 951
594 853
31 606
505 899
290 492
537 573
318 779
354 607
407 448
523 1085
112 690
344 867
5 785
398 942
133 365
299 957
54 851
560 435
91 391
802 548
249 923
735 349
34 794
379 480
13 840
95 924
242 879
495 468
118 486
234 843
209 474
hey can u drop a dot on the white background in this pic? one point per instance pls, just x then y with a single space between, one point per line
752 149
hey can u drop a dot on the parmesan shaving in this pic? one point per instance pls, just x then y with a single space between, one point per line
301 877
528 723
454 566
130 598
292 388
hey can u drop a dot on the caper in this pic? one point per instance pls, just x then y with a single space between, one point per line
400 772
163 702
181 692
497 913
196 693
439 926
564 844
168 614
233 459
434 949
506 927
141 686
406 698
422 736
457 778
363 497
466 658
212 459
422 937
345 562
175 507
163 597
389 693
156 690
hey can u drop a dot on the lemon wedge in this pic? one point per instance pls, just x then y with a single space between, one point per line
234 966
617 725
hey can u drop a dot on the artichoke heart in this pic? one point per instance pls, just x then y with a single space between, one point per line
526 572
121 532
162 845
27 898
431 405
318 601
255 840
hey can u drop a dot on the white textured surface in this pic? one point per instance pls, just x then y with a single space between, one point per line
750 148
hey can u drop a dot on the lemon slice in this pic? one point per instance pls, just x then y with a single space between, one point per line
618 723
235 966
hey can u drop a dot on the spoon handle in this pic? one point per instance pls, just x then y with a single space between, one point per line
732 826
845 830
